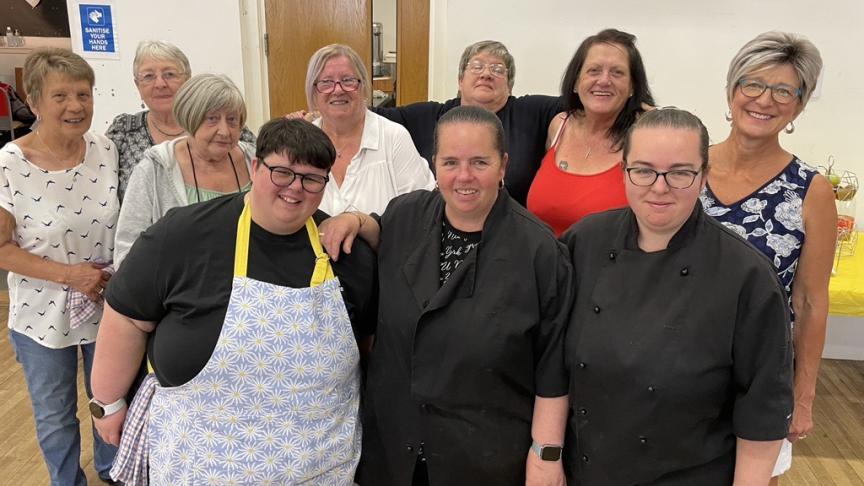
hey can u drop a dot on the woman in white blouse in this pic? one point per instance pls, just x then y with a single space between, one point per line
375 158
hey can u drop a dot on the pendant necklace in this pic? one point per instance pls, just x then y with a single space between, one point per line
195 176
39 136
588 141
350 138
162 132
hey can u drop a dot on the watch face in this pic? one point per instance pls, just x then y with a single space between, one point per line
96 410
550 453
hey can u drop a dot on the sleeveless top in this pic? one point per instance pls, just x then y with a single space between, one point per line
560 198
770 217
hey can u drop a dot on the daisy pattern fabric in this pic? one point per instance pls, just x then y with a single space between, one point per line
276 404
771 217
67 216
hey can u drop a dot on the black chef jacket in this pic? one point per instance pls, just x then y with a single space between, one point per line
457 367
673 354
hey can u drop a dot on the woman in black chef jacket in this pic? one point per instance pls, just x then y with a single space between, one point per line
467 365
679 340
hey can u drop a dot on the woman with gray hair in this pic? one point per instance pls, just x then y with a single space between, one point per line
209 162
375 158
159 70
770 197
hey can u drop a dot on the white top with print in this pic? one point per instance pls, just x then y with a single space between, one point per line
66 216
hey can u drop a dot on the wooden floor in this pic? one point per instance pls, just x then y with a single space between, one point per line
833 454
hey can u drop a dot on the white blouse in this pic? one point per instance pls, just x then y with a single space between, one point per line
386 166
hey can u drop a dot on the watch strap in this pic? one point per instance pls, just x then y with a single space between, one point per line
547 452
111 407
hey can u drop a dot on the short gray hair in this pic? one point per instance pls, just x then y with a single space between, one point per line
40 63
495 48
777 48
670 117
320 58
205 93
160 51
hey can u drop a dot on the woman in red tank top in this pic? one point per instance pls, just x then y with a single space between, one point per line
605 89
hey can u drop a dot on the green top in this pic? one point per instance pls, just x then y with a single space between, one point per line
207 194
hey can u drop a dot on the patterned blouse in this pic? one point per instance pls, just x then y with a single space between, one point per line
771 217
132 137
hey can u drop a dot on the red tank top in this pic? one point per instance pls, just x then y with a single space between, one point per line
561 198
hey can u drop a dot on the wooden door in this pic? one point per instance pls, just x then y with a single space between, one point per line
298 28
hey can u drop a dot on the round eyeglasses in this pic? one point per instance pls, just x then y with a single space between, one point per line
328 85
284 177
676 179
781 93
496 68
169 76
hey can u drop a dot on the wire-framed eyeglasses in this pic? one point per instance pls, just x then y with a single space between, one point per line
781 93
676 179
283 177
328 85
169 76
495 68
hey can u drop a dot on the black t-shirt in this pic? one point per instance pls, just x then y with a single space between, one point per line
179 272
455 247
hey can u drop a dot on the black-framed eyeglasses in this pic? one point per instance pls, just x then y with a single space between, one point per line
169 76
283 177
495 68
781 93
328 85
676 179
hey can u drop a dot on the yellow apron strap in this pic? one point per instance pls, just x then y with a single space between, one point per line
241 248
323 270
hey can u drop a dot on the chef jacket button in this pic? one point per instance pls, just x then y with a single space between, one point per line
425 407
651 389
583 365
584 458
409 449
643 440
583 411
596 309
685 272
612 256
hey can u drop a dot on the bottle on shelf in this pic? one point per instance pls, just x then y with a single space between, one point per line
10 37
19 41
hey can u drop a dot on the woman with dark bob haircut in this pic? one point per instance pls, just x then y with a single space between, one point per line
604 90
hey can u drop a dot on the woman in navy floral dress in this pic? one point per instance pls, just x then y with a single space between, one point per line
778 203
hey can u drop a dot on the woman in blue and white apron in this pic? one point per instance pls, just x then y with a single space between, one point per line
256 377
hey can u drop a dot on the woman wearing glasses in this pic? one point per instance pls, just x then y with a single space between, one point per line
159 69
605 88
773 199
678 344
375 158
209 162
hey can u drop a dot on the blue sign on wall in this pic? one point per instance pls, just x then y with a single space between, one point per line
97 28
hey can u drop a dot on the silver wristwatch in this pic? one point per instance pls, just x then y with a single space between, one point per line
547 452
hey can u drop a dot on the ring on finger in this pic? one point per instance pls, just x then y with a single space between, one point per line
802 436
102 291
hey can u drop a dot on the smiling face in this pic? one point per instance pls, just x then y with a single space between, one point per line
339 104
604 82
661 210
762 117
159 94
468 169
66 106
282 210
484 89
217 134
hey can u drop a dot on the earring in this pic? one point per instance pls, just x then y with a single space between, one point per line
39 118
501 184
789 128
437 189
142 105
729 116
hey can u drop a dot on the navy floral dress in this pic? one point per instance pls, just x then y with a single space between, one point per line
770 217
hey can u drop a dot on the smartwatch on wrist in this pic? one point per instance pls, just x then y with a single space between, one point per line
99 410
547 452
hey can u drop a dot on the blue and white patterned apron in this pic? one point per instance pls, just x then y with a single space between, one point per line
278 401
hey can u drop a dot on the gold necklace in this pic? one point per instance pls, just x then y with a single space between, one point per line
350 137
588 141
39 136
